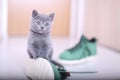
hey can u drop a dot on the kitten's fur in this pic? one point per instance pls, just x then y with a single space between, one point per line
39 43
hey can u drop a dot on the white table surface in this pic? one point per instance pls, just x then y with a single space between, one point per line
13 54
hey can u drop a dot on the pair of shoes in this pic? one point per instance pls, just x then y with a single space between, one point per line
83 50
42 69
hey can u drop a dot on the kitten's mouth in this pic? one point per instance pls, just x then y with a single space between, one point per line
38 32
41 31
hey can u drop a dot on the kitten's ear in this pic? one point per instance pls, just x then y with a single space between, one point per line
34 13
51 16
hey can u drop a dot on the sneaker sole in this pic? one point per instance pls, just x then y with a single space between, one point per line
81 61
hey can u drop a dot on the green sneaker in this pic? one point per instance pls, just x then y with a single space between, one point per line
85 49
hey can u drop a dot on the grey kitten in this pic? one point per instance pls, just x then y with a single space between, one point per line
39 42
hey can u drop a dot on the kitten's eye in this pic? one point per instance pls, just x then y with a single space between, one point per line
38 23
46 24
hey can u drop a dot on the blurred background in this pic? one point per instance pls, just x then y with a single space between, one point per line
98 18
73 18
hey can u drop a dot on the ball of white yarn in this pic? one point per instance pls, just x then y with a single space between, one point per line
39 69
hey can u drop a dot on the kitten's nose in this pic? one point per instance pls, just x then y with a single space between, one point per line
42 27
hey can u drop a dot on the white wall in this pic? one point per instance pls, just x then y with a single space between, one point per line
0 17
3 18
76 20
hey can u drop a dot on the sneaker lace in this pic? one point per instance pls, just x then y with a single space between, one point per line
75 48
